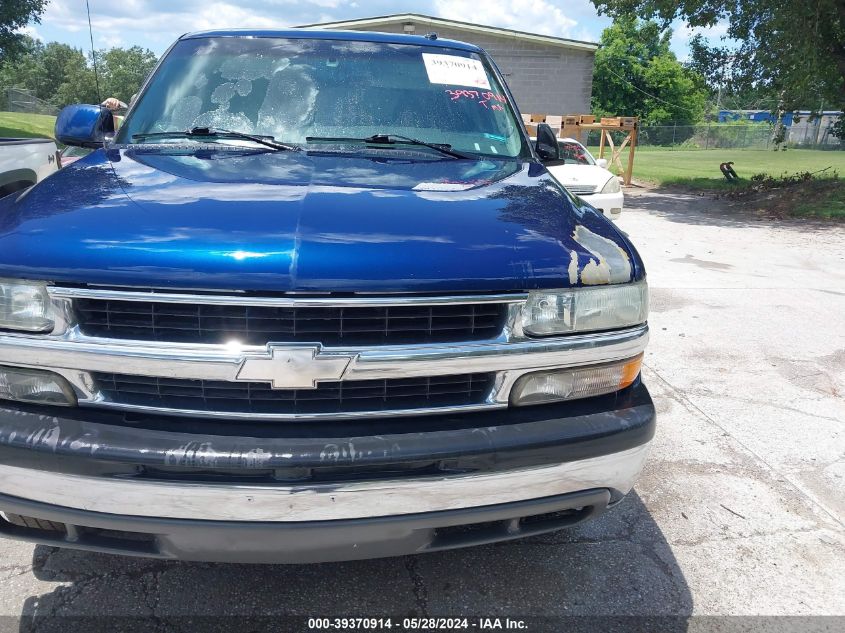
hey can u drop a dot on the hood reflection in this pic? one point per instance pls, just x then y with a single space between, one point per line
252 220
328 169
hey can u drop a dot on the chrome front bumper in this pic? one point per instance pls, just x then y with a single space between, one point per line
320 502
154 488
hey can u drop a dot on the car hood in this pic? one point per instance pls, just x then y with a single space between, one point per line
194 218
582 175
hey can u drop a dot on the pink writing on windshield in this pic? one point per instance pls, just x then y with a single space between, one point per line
482 98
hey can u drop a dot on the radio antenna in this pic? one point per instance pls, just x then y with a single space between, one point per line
93 53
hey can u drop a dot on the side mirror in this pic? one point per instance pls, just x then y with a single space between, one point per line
547 147
84 125
601 162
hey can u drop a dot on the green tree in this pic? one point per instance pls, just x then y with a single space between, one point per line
23 70
79 86
65 76
14 15
795 50
61 74
123 70
725 91
57 73
636 74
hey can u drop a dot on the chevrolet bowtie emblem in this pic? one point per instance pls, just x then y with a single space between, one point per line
294 367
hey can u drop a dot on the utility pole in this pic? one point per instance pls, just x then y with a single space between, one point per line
819 122
779 131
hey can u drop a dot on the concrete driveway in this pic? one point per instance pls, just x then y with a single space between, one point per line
740 510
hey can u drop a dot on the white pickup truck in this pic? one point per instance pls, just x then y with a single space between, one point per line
25 161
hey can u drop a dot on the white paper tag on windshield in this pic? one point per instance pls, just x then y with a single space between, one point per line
454 70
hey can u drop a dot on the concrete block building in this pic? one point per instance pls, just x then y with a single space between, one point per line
547 75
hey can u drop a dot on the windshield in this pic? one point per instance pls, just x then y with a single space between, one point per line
290 89
575 154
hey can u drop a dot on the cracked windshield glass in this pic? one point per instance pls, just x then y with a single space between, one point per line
312 92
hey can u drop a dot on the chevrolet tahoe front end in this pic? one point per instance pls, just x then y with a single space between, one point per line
323 342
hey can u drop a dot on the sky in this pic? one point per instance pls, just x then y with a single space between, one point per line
155 24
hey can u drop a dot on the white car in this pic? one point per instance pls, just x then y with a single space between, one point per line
588 178
25 161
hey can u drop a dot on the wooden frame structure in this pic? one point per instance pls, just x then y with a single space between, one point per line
574 125
625 124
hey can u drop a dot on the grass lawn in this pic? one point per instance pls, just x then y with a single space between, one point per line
699 169
827 203
822 197
23 125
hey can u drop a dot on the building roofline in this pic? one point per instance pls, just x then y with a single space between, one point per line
332 34
433 21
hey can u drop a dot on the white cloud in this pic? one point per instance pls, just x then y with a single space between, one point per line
227 15
682 33
534 16
156 23
586 35
32 32
324 4
155 16
109 39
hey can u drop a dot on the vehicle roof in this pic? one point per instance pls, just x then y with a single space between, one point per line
566 139
328 34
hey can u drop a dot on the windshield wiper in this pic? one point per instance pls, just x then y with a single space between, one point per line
392 139
267 141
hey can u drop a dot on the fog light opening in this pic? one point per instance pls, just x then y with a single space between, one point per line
574 383
35 387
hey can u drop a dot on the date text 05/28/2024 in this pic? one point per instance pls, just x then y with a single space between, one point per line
417 624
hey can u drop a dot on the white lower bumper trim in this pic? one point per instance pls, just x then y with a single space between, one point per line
320 502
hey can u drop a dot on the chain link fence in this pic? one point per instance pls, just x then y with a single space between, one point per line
808 135
21 100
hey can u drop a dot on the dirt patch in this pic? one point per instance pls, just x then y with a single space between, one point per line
801 196
805 197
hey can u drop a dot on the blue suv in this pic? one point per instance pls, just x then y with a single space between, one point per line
317 298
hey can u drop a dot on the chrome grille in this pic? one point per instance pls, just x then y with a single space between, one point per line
260 398
257 325
581 190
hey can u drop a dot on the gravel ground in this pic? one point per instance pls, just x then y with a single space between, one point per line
740 510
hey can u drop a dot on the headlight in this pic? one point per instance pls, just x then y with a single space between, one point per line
612 186
25 306
549 312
